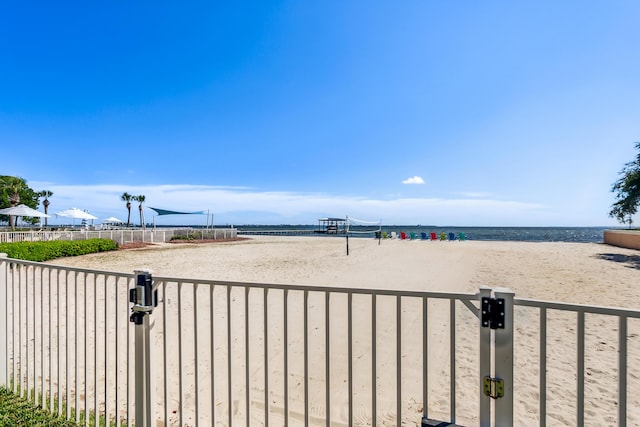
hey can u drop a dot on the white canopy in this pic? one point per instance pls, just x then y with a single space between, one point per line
23 210
76 213
111 219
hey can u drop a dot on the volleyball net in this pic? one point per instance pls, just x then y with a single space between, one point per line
359 227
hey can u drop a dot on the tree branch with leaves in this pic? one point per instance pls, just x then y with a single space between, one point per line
627 189
13 191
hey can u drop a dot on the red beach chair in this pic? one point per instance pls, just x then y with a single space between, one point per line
433 236
403 235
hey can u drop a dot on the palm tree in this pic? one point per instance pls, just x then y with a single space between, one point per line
140 199
127 198
14 196
46 194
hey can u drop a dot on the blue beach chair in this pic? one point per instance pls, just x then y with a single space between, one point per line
452 236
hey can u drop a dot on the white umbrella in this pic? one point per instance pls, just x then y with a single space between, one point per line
23 210
76 213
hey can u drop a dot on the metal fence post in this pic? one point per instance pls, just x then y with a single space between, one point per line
485 363
144 299
143 401
503 360
4 313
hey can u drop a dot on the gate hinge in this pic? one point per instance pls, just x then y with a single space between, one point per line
493 387
493 312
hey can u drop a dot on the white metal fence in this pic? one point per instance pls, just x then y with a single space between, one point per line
256 354
599 346
65 339
246 354
121 235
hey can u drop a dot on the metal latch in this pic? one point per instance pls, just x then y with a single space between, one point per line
493 312
143 297
493 387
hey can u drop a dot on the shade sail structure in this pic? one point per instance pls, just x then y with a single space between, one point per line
168 212
23 210
76 213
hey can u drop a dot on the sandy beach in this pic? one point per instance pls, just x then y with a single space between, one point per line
584 273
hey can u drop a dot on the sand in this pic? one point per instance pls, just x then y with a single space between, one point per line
584 273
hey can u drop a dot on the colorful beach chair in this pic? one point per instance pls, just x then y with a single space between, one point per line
433 236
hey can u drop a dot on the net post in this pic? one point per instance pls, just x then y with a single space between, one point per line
347 236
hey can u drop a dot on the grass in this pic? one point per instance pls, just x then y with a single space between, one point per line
17 411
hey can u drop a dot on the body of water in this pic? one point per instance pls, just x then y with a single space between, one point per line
522 234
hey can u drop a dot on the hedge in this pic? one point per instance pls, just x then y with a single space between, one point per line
45 251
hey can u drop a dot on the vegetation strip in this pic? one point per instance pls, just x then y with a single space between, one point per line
18 411
45 251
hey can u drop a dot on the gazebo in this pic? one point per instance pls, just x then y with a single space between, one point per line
332 225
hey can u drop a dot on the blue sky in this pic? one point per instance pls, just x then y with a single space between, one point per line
416 112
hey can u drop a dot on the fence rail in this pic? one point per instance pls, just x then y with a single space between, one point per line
241 354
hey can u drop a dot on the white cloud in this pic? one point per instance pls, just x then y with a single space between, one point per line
237 205
413 180
476 195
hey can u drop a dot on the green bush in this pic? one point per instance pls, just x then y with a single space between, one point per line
188 236
45 251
